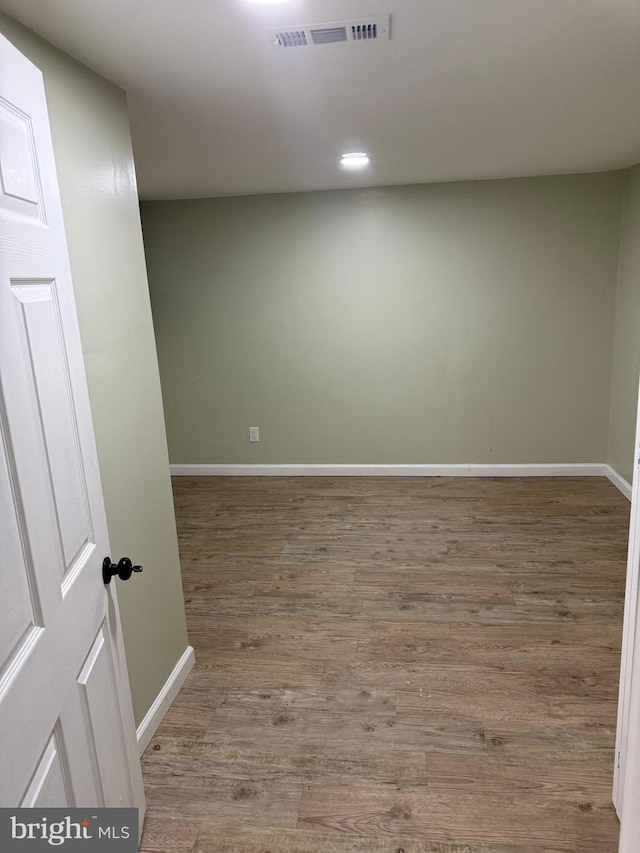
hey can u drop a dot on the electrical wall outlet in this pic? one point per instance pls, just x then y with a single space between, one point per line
254 433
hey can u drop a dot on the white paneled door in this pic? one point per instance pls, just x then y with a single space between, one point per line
627 766
67 734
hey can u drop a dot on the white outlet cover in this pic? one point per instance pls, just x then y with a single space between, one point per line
254 433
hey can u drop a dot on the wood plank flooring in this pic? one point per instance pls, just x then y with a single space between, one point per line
394 666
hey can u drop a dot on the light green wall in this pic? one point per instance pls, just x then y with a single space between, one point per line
626 352
92 145
450 323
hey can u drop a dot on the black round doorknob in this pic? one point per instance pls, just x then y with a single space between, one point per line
123 569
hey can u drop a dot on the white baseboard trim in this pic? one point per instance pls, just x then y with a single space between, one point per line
164 699
618 481
589 469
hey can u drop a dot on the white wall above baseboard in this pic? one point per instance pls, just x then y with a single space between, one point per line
587 469
164 699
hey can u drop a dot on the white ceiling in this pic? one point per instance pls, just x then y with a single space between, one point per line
464 89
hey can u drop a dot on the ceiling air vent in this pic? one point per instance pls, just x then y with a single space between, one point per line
362 32
328 35
290 38
342 32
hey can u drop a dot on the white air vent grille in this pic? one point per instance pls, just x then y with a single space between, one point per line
342 32
328 35
291 38
361 32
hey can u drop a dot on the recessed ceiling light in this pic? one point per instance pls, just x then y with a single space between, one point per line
268 2
354 160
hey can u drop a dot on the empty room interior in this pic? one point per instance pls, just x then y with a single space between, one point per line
357 290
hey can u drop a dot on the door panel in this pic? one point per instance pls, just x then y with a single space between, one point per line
50 786
21 191
105 740
48 377
21 619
